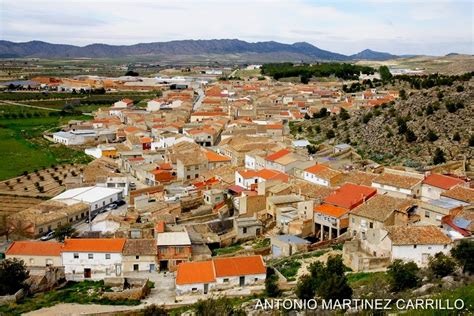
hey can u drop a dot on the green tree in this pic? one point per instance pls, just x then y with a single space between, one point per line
330 134
456 137
305 288
431 136
438 157
403 275
311 149
64 231
154 310
13 274
464 255
271 284
441 265
385 74
335 287
218 306
344 115
403 94
471 140
459 88
132 73
410 136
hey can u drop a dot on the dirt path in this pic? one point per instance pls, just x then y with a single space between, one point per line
79 309
29 106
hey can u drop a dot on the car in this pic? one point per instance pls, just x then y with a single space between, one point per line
121 202
91 219
48 236
113 205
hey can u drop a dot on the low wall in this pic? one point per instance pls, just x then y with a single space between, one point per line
8 299
139 289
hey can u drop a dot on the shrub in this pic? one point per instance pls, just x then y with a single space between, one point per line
438 157
403 275
441 265
464 255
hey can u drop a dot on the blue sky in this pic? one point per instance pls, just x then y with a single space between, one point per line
434 27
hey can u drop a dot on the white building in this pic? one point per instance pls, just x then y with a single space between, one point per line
123 104
435 184
220 273
97 197
154 105
92 258
398 183
70 139
321 174
416 243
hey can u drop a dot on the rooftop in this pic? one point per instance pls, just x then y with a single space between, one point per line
292 239
94 245
397 180
86 194
140 247
34 248
239 266
350 195
417 235
380 207
442 181
460 193
173 239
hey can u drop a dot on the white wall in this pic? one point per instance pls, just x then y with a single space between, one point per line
250 162
429 192
308 176
98 264
100 203
410 253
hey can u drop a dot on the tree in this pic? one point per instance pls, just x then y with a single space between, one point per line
344 115
306 116
441 265
456 137
385 73
410 136
335 265
459 88
464 255
438 157
304 79
154 310
403 95
431 136
64 231
218 306
471 140
271 284
13 274
305 288
311 149
330 134
403 275
335 287
132 73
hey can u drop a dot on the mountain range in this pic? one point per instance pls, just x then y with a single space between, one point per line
270 50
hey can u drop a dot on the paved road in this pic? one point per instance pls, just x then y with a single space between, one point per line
197 104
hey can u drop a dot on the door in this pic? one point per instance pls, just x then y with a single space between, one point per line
87 273
163 265
206 288
242 281
152 267
135 267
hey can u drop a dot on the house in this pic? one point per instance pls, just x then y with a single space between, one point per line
202 277
368 220
173 249
322 175
96 197
339 148
399 183
249 179
416 243
460 224
36 253
92 258
435 184
247 227
287 245
139 255
123 104
213 197
460 194
215 160
285 160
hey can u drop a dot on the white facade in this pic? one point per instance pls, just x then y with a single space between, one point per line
100 264
97 197
250 162
311 177
392 191
249 279
418 253
245 182
429 192
68 139
153 105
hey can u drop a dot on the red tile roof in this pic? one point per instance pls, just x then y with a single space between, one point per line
94 245
214 157
238 266
331 210
278 155
34 248
350 195
441 181
195 272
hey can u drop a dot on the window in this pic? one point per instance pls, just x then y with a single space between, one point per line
76 256
445 247
90 256
41 230
196 175
107 256
427 214
353 220
103 203
137 257
32 261
179 250
414 246
226 280
371 225
244 230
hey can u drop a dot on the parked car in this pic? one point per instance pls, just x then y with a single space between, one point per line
113 205
120 203
48 236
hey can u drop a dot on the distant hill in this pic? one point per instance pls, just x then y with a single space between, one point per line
232 48
369 54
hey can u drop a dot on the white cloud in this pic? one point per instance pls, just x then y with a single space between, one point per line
345 27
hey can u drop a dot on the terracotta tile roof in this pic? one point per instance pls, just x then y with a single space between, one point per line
94 245
275 126
460 193
441 181
380 207
140 247
202 113
396 180
278 154
350 195
323 172
215 157
247 174
268 174
238 266
145 140
127 101
417 235
331 210
34 248
195 272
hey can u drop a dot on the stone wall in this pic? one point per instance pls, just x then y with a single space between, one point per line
132 288
7 299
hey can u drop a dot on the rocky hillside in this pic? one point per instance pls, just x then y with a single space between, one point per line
407 132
